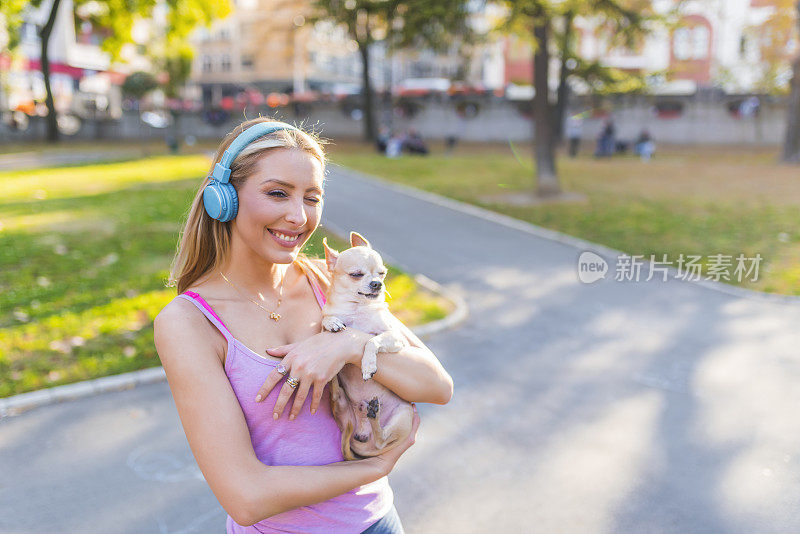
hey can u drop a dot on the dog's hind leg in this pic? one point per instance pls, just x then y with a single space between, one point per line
343 415
347 433
397 427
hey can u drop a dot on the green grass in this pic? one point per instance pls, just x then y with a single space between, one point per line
84 258
686 201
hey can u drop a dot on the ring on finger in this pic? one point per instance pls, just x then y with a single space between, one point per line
281 369
293 382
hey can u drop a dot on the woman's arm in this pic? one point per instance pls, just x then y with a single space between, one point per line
218 436
414 374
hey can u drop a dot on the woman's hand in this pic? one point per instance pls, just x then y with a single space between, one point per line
385 462
313 362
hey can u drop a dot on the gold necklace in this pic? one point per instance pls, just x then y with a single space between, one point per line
272 314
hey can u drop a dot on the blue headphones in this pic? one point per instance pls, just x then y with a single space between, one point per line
219 196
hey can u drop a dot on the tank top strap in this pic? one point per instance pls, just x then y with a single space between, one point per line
204 307
318 293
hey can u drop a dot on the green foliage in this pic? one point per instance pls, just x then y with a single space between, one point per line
169 47
607 80
11 17
774 38
178 66
138 84
182 16
401 23
624 23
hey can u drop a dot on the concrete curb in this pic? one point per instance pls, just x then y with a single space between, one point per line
17 404
23 402
564 239
456 317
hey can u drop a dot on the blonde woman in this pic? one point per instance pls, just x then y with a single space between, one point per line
249 312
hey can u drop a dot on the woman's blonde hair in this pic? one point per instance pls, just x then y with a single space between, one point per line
205 242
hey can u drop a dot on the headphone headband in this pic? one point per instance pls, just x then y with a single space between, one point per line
222 170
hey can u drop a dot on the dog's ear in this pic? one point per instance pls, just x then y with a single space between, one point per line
330 255
357 240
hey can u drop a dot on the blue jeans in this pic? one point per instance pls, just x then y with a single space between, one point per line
388 524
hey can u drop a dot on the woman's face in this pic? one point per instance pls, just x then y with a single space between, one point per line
280 204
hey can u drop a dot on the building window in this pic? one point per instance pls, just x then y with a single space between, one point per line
29 32
700 42
691 43
207 65
226 63
247 61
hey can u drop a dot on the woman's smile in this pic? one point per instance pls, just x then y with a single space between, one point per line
286 239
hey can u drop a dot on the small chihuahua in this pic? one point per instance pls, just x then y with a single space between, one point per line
372 418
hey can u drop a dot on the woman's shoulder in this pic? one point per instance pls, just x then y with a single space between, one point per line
179 313
184 311
182 320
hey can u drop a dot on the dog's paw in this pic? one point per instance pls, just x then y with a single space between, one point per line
368 369
333 324
393 343
373 408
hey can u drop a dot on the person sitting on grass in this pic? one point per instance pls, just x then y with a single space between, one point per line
249 312
414 144
645 146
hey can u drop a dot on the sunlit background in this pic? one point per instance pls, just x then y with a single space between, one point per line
660 129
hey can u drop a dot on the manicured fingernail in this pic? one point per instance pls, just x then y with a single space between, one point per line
291 417
258 398
313 411
275 416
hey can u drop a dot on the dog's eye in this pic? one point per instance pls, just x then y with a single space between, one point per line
382 273
356 275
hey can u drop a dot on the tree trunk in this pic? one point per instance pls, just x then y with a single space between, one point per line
547 179
791 144
563 73
44 64
366 90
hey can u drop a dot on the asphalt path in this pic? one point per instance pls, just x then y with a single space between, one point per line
605 407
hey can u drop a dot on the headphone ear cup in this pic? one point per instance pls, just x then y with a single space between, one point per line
234 201
220 201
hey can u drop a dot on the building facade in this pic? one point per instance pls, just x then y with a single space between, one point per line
268 46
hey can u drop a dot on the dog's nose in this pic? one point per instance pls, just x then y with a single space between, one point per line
375 285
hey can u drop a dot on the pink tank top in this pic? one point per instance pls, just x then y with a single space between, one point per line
308 440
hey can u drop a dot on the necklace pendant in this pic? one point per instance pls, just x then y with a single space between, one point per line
274 316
